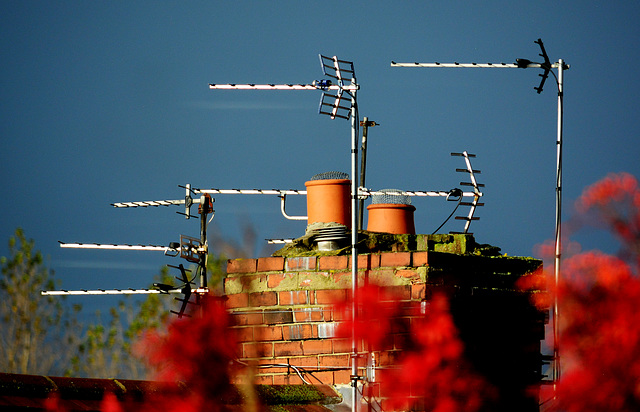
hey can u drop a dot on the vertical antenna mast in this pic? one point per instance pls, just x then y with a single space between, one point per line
365 123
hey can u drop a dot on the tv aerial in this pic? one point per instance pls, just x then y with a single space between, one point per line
546 65
194 250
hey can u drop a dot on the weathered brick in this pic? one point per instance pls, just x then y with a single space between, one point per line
239 300
287 348
263 299
274 280
243 319
395 259
243 334
287 379
273 369
400 292
257 350
333 262
330 296
337 315
232 285
369 261
327 329
342 279
267 333
299 361
308 314
270 264
297 332
249 283
274 316
341 345
385 277
319 346
408 274
335 361
420 259
341 377
260 380
418 291
242 265
282 281
314 280
294 297
300 263
326 377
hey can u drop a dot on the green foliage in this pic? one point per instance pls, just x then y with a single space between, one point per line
42 334
109 350
106 349
34 327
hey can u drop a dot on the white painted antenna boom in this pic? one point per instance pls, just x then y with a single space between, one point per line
115 247
119 292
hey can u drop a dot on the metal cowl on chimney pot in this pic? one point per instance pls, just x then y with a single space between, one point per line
391 212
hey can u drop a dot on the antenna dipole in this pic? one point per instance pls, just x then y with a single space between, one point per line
545 65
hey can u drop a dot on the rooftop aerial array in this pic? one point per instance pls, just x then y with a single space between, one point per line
338 100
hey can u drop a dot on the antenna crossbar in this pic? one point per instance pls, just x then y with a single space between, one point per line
115 247
231 86
366 192
276 192
361 192
467 65
279 241
119 292
152 203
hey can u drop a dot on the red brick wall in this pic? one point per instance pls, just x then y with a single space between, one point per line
283 309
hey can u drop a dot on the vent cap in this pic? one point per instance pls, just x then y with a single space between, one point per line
330 176
391 196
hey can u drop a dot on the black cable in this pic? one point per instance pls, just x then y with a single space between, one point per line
452 192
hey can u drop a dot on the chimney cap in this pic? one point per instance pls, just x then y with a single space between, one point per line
330 176
391 196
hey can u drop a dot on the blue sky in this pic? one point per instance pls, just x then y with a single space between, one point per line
109 101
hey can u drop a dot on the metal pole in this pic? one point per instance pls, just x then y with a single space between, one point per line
558 240
354 249
203 242
363 165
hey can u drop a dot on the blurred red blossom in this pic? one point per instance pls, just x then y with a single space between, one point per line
53 404
431 373
378 309
198 352
600 334
110 403
613 203
598 297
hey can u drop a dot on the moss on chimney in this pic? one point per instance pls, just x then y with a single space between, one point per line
374 242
